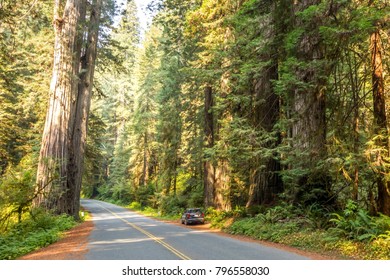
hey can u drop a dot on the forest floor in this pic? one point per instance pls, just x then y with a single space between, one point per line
73 246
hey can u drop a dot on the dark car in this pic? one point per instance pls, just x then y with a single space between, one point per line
192 216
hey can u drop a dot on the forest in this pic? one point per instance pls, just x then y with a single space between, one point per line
273 116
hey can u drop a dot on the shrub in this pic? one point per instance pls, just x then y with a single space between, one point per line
135 205
33 233
356 224
172 205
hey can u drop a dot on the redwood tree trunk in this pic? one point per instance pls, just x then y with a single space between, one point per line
309 110
83 104
52 176
222 200
380 122
265 183
208 167
308 129
63 144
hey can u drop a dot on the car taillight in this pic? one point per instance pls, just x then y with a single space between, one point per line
188 216
202 215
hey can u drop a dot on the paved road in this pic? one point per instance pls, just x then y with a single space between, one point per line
121 234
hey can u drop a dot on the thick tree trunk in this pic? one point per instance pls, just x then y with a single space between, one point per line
83 104
380 122
208 167
308 129
52 176
265 183
222 200
63 145
309 110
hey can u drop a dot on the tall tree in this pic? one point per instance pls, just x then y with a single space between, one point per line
59 169
209 171
82 107
304 74
143 161
380 121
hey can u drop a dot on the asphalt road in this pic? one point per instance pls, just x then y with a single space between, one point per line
120 234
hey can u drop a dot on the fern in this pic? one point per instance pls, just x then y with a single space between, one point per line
354 224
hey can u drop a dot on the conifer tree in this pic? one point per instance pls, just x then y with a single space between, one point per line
61 157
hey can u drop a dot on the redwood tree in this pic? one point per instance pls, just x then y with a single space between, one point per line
62 148
380 122
209 170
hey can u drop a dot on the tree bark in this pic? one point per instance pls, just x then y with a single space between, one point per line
83 104
222 200
143 181
309 109
208 167
63 144
52 184
265 183
380 122
309 128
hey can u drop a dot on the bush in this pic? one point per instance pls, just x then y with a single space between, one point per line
356 224
172 205
16 194
40 230
259 228
135 205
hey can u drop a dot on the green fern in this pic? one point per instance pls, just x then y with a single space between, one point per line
354 224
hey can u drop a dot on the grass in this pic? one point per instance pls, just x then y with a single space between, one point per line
33 233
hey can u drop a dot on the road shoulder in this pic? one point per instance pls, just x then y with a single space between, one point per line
73 246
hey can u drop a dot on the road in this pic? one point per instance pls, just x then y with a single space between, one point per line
120 234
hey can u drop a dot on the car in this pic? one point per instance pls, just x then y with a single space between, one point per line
192 216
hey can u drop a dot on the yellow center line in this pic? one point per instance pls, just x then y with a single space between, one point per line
155 238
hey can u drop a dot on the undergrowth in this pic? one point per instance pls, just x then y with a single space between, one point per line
37 231
350 234
152 212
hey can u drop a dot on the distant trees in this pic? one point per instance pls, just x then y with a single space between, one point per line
24 69
257 101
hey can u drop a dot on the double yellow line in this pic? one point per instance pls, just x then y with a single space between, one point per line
155 238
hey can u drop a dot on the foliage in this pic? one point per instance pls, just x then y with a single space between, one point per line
25 66
17 189
135 205
222 219
356 224
267 226
172 205
297 230
39 230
